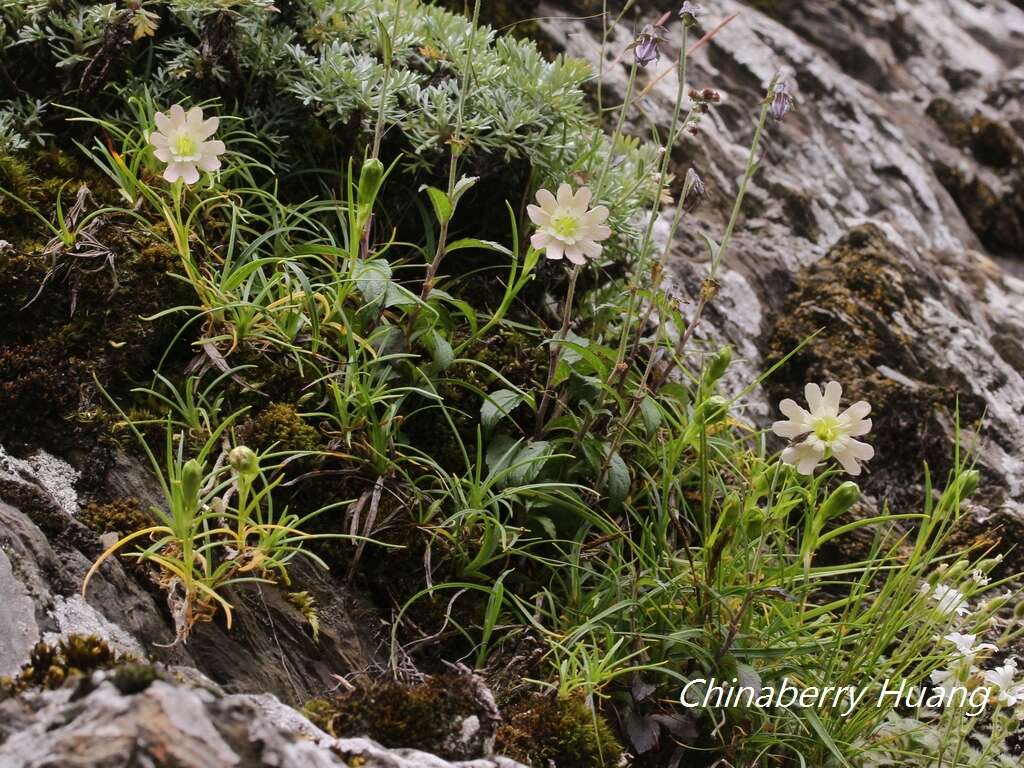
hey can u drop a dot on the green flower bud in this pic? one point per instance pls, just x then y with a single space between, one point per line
720 362
969 482
840 501
191 481
957 570
989 563
244 461
714 409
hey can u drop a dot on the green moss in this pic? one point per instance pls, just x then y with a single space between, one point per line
279 425
541 731
65 318
50 666
422 716
122 516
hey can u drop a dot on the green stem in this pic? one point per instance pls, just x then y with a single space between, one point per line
555 353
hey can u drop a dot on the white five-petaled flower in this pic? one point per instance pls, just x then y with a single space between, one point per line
948 600
181 141
828 432
965 645
1010 691
565 226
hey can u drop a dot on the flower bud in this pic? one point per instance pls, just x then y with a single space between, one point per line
969 482
957 570
244 461
191 481
781 102
720 361
840 501
693 191
689 14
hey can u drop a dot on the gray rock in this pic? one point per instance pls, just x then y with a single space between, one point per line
172 724
18 628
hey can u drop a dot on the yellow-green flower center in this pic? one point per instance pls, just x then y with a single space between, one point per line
184 146
826 429
566 225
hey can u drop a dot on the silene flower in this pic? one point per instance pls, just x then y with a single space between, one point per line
824 430
965 644
645 47
567 226
948 600
181 141
1011 692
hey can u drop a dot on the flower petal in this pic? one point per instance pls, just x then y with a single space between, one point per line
791 410
564 195
547 201
812 392
833 393
209 162
857 411
163 154
590 248
804 456
598 233
194 117
207 128
554 250
574 254
582 199
597 216
858 428
215 147
157 139
790 429
163 122
538 215
539 240
177 115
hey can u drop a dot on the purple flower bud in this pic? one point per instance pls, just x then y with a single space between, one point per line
689 13
645 47
782 102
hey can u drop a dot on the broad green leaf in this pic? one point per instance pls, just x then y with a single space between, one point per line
497 406
443 208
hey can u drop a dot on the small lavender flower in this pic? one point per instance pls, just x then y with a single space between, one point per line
645 47
782 102
689 13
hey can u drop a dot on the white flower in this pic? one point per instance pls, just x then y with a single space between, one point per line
1010 692
980 578
950 601
965 645
566 227
828 432
181 142
945 681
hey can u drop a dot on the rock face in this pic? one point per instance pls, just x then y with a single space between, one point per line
887 211
101 721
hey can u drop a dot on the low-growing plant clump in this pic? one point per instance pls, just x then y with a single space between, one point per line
372 285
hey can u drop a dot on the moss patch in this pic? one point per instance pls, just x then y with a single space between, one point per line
541 731
50 666
995 215
427 716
